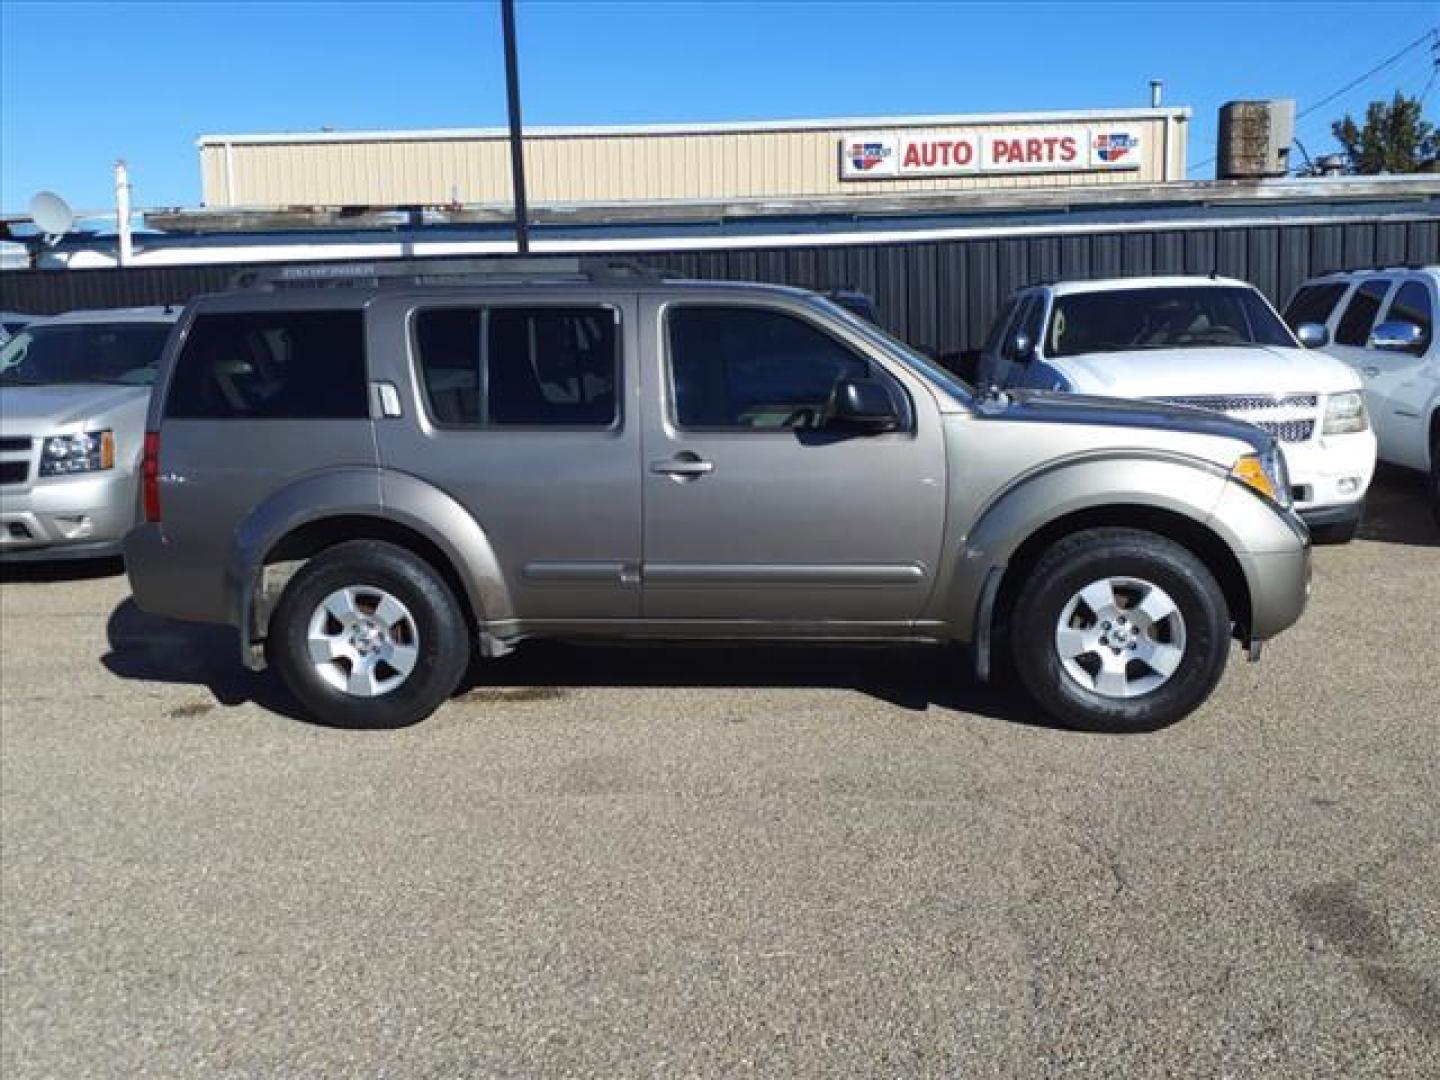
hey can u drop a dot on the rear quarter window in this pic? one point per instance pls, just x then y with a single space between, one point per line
274 365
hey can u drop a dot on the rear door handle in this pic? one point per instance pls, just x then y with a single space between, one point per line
1370 372
683 465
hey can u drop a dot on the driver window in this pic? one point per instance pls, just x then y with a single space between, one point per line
1028 321
1412 305
753 369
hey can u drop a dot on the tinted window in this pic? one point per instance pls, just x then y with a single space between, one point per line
998 327
544 366
752 369
1359 317
1031 319
1314 303
124 353
1412 305
1126 320
280 365
1026 317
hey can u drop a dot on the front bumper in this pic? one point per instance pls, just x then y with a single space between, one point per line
1279 589
67 517
1345 514
1331 472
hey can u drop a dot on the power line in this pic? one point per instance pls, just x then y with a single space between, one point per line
1433 34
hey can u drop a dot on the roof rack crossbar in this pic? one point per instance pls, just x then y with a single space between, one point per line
501 269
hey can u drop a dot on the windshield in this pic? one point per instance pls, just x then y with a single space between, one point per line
922 365
125 353
1121 320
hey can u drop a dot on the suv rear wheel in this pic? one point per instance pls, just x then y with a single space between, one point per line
368 635
1119 630
1435 476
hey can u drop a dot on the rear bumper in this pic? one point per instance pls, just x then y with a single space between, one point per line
77 517
147 558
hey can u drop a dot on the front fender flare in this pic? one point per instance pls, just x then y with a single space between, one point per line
1178 484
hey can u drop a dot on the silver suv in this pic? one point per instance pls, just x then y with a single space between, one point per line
73 396
374 478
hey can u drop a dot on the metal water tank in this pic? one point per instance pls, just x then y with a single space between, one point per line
1255 138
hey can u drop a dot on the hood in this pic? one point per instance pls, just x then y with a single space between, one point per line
1049 407
1240 369
34 410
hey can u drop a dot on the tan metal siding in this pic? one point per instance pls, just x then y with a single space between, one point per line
620 167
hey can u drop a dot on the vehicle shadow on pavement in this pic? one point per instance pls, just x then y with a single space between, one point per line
61 570
156 649
913 678
1397 510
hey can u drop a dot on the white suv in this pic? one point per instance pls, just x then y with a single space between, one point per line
1382 323
1207 342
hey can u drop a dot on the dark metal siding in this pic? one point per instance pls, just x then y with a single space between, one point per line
938 294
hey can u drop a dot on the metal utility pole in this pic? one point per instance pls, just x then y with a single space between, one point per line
517 147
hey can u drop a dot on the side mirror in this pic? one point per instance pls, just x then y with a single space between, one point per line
1022 349
1397 337
1312 335
864 405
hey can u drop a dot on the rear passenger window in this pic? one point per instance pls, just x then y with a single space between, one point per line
1359 317
274 365
513 366
1314 303
1412 305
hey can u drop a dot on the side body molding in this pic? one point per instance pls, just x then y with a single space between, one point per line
357 492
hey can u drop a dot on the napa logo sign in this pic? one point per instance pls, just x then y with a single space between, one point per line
1113 147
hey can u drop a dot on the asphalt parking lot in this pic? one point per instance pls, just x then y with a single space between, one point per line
664 862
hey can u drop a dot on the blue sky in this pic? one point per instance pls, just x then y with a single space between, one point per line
84 83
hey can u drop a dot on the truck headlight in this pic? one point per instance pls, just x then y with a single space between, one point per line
90 451
1265 473
1345 413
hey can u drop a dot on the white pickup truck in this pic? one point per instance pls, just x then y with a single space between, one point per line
1207 342
1382 323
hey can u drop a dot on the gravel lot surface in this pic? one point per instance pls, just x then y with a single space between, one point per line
772 861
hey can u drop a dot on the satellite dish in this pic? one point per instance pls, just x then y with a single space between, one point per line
52 214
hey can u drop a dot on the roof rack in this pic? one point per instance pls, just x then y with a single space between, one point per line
501 269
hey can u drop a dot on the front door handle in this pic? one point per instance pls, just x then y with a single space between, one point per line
1371 372
683 465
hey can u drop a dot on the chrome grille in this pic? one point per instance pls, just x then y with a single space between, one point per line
1245 402
1287 430
1291 418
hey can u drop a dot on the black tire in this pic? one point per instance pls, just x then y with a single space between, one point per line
1070 565
1339 533
1435 481
444 636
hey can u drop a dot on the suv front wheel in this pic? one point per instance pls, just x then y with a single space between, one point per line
1119 630
368 635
